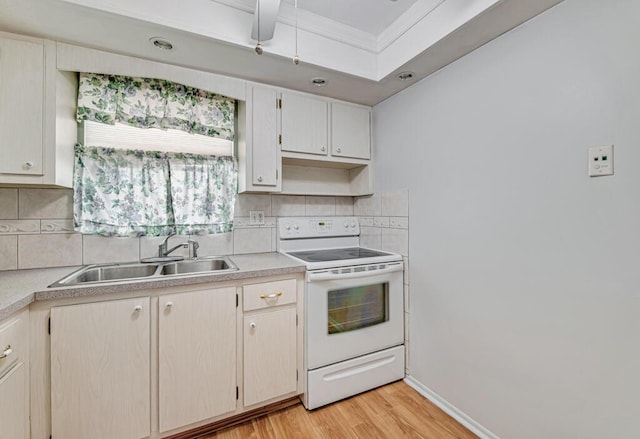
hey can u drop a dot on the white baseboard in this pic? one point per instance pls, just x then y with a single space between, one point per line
457 414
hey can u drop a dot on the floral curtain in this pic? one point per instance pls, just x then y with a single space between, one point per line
154 103
203 190
121 192
135 193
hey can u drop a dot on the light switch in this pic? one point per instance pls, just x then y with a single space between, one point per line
600 161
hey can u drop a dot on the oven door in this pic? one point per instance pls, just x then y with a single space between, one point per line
353 311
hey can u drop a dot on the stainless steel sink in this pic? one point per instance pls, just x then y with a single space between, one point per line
105 273
133 271
198 266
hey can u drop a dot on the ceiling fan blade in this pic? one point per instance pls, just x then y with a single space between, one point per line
268 17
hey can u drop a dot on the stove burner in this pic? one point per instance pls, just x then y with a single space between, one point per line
337 254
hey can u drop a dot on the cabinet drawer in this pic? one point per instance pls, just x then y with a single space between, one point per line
13 336
269 294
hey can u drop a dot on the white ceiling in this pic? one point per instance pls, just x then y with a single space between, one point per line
371 16
357 45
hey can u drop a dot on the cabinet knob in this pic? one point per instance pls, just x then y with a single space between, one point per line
7 351
252 325
138 308
338 150
169 304
323 149
28 165
260 178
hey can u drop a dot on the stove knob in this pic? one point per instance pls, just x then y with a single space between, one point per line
353 225
346 226
287 227
296 228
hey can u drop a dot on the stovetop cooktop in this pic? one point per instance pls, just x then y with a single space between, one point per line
337 254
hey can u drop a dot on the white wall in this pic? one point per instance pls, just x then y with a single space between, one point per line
525 273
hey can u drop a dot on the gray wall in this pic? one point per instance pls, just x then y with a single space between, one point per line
525 273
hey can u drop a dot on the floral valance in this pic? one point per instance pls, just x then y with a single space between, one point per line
134 193
154 103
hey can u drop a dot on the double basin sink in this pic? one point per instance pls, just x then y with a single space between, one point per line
135 271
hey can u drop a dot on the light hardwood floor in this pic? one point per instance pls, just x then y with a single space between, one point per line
392 411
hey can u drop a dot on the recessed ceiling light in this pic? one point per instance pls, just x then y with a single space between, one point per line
161 43
319 82
404 76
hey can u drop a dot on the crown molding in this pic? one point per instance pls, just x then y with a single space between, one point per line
342 33
416 13
315 24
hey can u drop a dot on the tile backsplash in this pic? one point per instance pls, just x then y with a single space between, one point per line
36 227
384 224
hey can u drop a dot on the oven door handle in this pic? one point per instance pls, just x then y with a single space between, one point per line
341 273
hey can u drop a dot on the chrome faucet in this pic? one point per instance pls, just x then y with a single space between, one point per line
191 244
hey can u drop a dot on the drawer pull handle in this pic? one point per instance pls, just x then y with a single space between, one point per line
271 296
7 351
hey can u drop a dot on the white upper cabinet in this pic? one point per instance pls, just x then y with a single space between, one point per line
325 146
304 124
350 131
22 78
258 151
37 113
321 129
265 147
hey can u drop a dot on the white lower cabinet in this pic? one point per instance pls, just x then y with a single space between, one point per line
14 377
158 365
270 340
269 355
14 414
197 356
100 370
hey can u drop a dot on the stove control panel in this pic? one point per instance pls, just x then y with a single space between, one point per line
316 227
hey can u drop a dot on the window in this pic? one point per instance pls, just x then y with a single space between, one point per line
157 158
123 136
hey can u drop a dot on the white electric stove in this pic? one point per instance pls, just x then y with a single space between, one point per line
354 325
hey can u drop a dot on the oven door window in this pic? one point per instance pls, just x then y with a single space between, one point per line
357 307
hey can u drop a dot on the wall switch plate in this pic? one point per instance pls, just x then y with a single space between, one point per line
600 161
256 217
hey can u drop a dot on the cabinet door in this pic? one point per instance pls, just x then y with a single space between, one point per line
21 107
197 355
269 355
264 136
100 370
14 409
350 131
304 124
